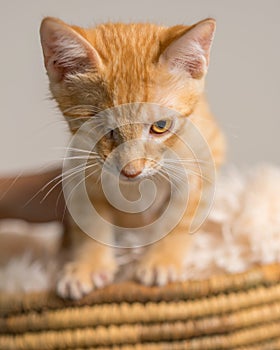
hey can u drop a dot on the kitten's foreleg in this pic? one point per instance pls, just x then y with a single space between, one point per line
92 266
165 260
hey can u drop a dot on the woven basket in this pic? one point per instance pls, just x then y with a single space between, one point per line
239 311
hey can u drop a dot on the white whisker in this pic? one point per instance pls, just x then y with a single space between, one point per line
77 150
179 176
188 161
80 157
167 178
11 185
59 177
205 178
78 184
84 168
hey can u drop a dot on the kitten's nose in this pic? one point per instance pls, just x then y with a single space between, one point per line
133 168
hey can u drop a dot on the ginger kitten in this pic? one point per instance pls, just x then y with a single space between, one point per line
149 80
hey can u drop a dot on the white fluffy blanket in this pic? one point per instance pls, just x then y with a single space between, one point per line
243 229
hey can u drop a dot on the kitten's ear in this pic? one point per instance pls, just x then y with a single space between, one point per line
65 50
190 52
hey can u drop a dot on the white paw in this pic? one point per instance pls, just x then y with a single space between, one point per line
78 279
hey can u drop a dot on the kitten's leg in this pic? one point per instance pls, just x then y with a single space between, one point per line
93 264
164 260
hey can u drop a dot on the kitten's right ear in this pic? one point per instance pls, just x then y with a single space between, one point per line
65 50
190 52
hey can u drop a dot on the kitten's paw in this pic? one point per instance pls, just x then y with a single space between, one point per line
78 279
157 270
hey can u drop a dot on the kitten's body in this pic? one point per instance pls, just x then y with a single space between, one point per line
114 65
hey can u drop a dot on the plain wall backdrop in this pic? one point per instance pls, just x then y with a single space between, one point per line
242 84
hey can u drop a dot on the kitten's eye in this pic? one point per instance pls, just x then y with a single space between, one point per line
161 126
110 135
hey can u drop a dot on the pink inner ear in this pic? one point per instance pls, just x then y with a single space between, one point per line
65 56
191 51
192 62
65 51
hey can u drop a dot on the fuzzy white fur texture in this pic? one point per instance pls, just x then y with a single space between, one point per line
243 230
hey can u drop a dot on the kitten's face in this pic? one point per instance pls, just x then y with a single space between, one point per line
117 65
136 138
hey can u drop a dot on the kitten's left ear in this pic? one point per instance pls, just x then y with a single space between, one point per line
190 52
66 50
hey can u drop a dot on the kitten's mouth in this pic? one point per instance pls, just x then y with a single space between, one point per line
123 176
138 175
131 175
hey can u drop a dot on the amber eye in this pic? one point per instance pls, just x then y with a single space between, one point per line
160 126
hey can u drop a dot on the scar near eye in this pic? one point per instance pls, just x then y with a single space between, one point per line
160 127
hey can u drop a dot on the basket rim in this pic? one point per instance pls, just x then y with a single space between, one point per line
130 292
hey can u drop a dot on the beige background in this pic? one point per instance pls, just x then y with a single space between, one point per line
243 81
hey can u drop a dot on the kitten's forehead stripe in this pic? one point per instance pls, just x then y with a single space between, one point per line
128 52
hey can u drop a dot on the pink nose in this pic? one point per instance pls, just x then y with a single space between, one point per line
131 174
133 168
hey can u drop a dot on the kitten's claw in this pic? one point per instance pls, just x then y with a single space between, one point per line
154 270
101 279
164 261
79 279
